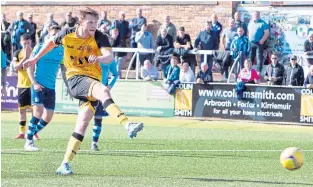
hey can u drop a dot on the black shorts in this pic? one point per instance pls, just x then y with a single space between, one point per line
81 87
24 98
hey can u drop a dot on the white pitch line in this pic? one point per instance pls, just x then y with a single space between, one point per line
151 151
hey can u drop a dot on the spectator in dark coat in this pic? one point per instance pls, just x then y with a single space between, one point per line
164 46
123 26
216 27
274 74
182 45
135 26
34 28
239 23
294 75
207 41
45 28
5 37
104 20
69 21
308 48
204 76
308 83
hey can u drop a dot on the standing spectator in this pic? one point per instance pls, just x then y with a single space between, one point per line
274 74
248 74
34 28
294 75
186 74
123 26
148 71
239 23
171 76
171 29
208 41
227 37
17 29
45 28
258 34
241 45
3 73
308 83
308 48
229 34
144 40
216 27
69 21
135 26
104 20
182 46
204 76
164 45
119 57
5 37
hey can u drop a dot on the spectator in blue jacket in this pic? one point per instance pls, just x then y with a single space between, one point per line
144 39
241 44
216 27
171 76
18 28
208 41
258 31
308 83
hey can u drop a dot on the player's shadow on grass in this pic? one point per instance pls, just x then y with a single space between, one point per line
248 181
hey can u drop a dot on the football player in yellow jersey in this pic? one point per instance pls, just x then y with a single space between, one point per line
23 82
84 49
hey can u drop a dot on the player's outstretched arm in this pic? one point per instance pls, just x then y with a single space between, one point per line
48 46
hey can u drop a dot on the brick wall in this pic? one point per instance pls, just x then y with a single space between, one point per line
192 17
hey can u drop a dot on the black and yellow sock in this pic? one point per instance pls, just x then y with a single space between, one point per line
73 146
114 111
22 127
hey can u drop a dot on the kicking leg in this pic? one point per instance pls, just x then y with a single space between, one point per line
102 94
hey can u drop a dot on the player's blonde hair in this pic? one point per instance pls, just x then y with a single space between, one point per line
88 11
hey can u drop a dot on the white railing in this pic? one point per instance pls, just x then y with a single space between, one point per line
137 51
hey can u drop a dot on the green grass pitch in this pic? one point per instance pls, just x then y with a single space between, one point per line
169 152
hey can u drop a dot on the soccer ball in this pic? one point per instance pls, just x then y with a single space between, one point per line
292 158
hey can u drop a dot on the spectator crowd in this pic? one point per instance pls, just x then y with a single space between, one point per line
241 43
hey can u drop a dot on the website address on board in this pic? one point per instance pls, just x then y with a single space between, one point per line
248 95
